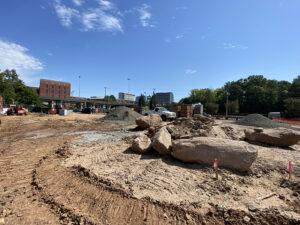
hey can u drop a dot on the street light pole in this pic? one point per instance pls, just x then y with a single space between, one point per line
105 92
128 85
79 84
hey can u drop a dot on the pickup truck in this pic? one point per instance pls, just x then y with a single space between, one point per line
163 112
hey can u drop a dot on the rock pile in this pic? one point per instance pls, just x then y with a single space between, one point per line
193 140
197 126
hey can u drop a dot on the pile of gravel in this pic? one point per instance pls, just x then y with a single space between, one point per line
257 120
122 114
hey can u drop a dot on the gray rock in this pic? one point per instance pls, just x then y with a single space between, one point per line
141 144
281 196
232 154
279 137
153 120
252 208
162 142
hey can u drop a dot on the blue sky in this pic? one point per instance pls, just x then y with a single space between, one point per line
169 45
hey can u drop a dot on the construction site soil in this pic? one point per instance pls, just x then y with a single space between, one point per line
77 169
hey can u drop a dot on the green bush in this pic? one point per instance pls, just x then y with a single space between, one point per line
211 107
292 107
233 106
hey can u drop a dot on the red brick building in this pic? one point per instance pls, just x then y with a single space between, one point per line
54 89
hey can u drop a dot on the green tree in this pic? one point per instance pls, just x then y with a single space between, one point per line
142 101
233 106
14 91
110 98
292 106
283 93
294 91
211 107
152 103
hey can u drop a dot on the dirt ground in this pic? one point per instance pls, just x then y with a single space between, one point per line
77 169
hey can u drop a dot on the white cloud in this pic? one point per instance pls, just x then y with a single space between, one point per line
190 71
181 8
179 36
105 16
78 2
64 13
145 15
168 40
232 46
106 4
97 19
93 19
14 56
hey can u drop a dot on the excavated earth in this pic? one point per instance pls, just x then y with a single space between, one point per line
78 170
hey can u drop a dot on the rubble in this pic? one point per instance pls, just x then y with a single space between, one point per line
162 141
198 126
232 154
152 120
278 137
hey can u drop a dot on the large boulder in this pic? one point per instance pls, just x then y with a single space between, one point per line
162 141
152 120
232 154
141 144
279 137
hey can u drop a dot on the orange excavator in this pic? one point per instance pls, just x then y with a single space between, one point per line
16 110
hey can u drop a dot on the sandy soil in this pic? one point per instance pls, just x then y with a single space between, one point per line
191 185
77 170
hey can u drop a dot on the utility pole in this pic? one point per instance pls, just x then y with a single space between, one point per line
79 84
227 94
105 92
128 85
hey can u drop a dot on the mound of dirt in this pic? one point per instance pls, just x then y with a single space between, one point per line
257 120
123 114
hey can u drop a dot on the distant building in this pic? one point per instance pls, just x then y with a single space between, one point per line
97 98
165 98
126 97
138 98
54 89
147 98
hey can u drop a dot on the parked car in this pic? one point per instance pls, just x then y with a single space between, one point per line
88 110
163 112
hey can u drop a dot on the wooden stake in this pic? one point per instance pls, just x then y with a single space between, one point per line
216 169
290 170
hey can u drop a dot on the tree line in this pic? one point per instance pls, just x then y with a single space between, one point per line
14 91
255 94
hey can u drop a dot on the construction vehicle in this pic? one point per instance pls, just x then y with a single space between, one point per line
16 110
